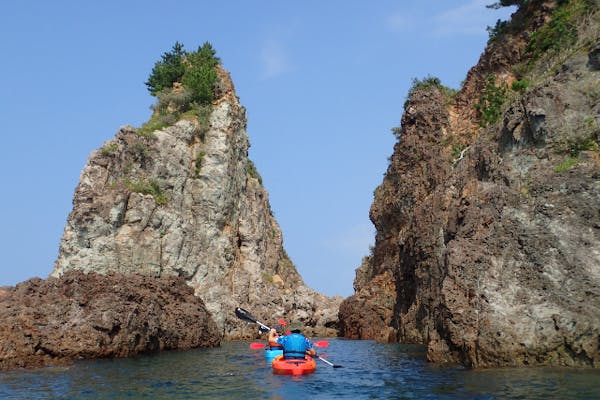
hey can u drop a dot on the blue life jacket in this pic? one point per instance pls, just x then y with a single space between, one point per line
294 345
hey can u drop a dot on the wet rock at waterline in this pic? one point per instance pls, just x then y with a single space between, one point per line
82 316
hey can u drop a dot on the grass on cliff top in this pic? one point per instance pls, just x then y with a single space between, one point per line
426 84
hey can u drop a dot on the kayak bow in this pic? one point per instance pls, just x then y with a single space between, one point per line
290 366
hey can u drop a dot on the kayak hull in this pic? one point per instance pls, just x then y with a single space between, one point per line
283 366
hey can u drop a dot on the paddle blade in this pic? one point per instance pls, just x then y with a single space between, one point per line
322 343
255 345
244 315
282 322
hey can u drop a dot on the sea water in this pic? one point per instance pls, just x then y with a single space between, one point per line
234 371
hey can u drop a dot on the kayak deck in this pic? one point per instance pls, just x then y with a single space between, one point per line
283 366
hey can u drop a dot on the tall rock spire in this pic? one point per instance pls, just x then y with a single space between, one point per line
185 200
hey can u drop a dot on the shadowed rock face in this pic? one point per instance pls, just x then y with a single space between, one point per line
492 253
186 201
58 320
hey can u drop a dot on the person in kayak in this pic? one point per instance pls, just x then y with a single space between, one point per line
272 339
296 345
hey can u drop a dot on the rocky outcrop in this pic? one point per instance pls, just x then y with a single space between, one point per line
184 200
490 238
58 320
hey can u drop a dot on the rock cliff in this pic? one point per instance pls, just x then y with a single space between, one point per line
184 200
488 218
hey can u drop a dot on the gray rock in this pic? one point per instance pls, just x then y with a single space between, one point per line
177 203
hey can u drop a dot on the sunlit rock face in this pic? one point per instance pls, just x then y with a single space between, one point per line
488 239
185 201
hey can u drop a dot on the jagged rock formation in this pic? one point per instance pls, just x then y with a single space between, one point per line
488 240
186 201
58 320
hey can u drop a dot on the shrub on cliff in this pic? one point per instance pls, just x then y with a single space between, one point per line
170 69
200 77
426 84
490 102
195 71
561 31
184 83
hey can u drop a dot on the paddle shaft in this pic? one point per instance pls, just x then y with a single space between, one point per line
329 363
325 361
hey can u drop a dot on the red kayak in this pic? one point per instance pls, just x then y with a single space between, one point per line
292 366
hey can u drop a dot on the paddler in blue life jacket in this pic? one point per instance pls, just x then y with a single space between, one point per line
296 345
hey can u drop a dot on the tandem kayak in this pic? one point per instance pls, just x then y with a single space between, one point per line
292 366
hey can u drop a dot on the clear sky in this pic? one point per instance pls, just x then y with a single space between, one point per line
323 82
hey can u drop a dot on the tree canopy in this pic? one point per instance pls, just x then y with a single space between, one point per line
507 3
194 70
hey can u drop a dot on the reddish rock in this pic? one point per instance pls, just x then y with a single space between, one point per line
491 236
81 316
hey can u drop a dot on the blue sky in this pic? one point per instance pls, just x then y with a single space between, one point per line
323 83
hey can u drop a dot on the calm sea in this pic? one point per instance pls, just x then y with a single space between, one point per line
234 371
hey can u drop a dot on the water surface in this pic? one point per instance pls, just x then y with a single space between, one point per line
233 371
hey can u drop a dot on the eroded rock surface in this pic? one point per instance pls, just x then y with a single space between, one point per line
186 201
79 315
489 238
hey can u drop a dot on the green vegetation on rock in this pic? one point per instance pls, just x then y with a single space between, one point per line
561 31
184 84
508 3
151 187
252 171
426 84
194 70
491 100
109 149
566 164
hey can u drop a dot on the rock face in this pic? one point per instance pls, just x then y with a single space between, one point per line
58 320
186 201
488 240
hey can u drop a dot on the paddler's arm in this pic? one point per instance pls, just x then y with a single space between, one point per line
310 350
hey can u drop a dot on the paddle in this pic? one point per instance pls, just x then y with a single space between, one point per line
257 345
329 363
246 316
